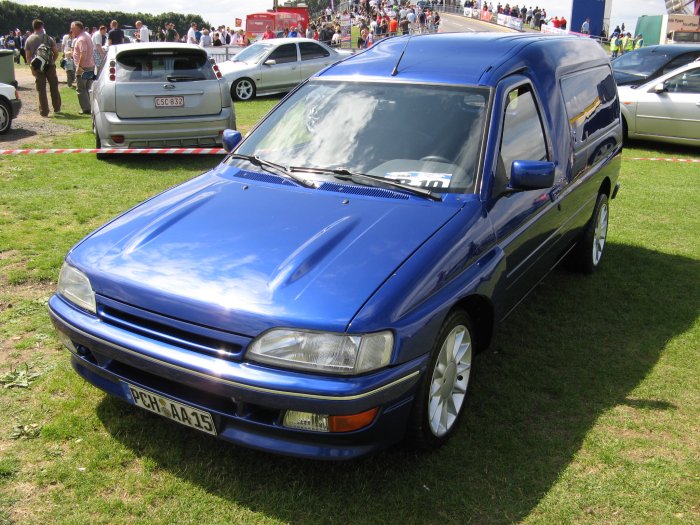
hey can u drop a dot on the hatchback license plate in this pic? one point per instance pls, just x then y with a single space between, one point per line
170 102
183 414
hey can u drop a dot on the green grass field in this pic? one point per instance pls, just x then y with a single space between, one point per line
586 408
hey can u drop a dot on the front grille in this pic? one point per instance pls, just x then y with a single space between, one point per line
196 338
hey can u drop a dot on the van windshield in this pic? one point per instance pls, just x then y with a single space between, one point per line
422 135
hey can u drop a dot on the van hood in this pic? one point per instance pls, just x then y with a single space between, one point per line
243 255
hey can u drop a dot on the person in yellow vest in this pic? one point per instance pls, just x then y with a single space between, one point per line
639 41
614 45
628 43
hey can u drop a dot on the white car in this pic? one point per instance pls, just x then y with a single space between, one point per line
665 109
276 65
10 105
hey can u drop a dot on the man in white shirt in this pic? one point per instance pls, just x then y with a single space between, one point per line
143 31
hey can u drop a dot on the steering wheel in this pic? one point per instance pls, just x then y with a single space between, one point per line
435 158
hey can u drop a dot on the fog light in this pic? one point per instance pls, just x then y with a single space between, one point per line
67 342
117 139
326 423
306 421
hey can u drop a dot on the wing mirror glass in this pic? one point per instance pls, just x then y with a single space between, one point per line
231 139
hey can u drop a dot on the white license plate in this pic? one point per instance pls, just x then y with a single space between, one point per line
169 102
183 414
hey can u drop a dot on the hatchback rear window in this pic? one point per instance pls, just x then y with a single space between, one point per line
163 66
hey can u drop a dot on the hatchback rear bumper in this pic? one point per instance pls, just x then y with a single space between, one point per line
199 131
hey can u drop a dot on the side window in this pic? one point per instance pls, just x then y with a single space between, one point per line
591 102
686 82
284 54
523 137
309 51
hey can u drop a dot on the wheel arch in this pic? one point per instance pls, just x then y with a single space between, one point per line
480 310
605 187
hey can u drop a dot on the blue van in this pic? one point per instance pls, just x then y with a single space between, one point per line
323 291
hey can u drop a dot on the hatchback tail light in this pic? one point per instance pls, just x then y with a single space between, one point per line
113 70
216 70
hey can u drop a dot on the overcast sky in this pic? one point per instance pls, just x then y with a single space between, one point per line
225 12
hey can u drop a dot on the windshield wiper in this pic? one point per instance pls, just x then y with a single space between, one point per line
183 78
370 180
270 166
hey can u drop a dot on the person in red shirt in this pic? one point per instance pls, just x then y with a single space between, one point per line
393 26
268 33
555 22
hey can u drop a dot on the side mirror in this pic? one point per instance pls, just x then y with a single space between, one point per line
231 139
531 175
659 88
270 62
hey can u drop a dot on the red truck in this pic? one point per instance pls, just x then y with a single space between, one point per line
279 19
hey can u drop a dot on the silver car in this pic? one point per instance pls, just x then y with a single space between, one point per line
666 109
155 95
276 65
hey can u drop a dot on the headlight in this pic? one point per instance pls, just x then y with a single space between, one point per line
323 351
75 287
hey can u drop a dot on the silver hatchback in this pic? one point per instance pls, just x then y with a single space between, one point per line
277 65
155 95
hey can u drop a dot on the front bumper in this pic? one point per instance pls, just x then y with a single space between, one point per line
15 106
247 401
204 131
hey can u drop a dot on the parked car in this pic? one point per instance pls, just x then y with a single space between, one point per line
323 291
276 66
666 109
157 94
647 63
10 104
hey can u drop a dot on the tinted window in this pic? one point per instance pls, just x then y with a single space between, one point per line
163 66
285 53
309 51
591 101
679 61
643 62
523 137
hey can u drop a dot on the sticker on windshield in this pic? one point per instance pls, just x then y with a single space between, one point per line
421 178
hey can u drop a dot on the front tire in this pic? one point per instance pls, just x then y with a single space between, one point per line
243 89
5 117
587 255
441 397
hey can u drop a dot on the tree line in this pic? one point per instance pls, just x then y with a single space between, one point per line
57 20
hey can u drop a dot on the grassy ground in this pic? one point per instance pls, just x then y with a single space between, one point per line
585 409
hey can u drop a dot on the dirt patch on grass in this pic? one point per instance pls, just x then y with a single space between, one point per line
29 126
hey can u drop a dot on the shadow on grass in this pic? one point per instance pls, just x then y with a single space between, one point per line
146 162
574 349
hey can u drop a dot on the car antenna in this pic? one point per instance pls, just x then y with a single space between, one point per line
396 67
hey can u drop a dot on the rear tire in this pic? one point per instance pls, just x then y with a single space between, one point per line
98 143
243 89
5 117
440 400
587 255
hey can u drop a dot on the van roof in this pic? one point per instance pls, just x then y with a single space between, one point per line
469 58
